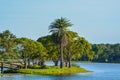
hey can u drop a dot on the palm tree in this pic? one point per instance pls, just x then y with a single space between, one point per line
59 34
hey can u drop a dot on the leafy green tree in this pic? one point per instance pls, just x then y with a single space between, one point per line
40 53
84 48
30 49
78 47
52 49
70 47
59 35
7 45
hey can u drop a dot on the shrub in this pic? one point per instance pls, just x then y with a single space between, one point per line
44 67
34 66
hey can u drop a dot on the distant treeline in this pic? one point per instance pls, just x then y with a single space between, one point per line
106 52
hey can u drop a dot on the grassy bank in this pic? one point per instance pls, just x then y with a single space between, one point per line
52 70
1 74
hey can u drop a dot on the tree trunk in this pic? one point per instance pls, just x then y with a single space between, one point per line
66 61
69 60
28 62
25 63
61 55
2 67
36 62
55 61
42 62
66 64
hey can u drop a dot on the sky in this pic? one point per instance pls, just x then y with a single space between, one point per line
96 20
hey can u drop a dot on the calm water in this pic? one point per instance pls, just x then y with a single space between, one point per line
102 71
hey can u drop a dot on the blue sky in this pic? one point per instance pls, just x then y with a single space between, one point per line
96 20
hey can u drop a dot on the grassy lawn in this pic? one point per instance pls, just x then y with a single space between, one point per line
53 70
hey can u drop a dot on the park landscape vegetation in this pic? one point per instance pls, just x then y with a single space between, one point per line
62 45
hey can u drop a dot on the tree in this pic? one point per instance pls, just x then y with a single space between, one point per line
40 53
77 47
52 49
30 49
70 47
84 48
7 45
58 29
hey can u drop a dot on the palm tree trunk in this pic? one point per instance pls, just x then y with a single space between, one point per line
61 55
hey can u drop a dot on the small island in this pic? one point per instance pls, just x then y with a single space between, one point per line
48 70
53 70
23 55
61 47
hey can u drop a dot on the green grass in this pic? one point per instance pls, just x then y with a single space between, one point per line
1 74
53 70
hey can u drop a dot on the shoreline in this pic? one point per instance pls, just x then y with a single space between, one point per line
52 70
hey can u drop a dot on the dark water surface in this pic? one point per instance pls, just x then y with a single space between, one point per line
102 71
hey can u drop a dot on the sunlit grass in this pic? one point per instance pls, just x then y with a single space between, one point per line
1 74
53 70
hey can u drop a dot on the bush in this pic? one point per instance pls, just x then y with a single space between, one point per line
34 66
44 67
10 71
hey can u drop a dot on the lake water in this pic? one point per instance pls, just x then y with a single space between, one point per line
102 71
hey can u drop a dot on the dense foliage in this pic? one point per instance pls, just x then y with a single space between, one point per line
106 52
20 49
7 45
37 52
76 48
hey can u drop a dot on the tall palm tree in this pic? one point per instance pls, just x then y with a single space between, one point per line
58 28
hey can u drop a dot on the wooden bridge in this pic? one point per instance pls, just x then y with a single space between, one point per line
10 65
